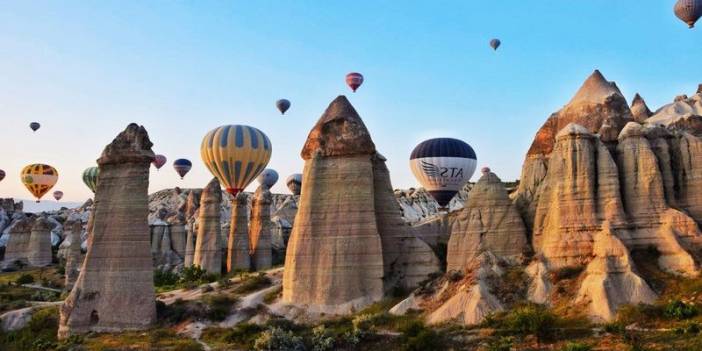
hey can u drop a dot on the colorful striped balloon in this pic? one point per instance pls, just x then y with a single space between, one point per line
236 155
90 177
39 179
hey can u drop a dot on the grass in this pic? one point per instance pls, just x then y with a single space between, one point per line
252 283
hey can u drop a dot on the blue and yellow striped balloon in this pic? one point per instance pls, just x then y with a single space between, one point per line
236 155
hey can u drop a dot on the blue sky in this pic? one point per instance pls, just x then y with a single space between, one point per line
86 69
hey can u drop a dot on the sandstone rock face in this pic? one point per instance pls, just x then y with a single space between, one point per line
238 245
407 259
18 244
208 247
689 174
190 243
596 103
639 109
488 222
334 260
115 291
610 279
73 256
261 229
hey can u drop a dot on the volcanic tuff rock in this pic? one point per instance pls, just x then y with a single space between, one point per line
39 246
610 279
115 288
261 229
639 109
238 246
334 260
73 256
208 247
596 102
17 244
682 114
489 221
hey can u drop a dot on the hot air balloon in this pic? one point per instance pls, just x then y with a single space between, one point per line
2 175
58 194
282 105
294 183
39 179
443 166
268 177
354 80
182 166
159 161
90 177
689 11
34 126
235 154
495 43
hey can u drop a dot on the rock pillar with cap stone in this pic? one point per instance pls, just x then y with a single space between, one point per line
208 254
238 258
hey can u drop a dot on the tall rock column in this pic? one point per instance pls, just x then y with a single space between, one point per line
190 237
39 247
208 253
73 259
261 229
238 247
115 288
334 260
16 249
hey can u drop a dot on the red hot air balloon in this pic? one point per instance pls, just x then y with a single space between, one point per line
58 194
689 11
354 80
159 161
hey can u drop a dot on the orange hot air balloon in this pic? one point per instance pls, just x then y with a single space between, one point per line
39 179
354 80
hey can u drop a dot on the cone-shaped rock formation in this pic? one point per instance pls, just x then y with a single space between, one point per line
261 229
115 288
238 244
639 109
208 247
73 256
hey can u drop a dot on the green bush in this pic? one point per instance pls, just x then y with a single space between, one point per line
322 340
253 283
531 320
243 334
219 306
680 310
576 346
417 337
174 313
165 278
197 275
504 343
276 339
38 335
25 279
614 328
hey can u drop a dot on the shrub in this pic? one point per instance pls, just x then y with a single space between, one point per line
614 328
680 310
322 340
276 339
531 320
692 328
253 283
196 275
504 343
243 334
25 279
417 337
640 313
165 278
218 306
575 346
44 295
363 323
173 313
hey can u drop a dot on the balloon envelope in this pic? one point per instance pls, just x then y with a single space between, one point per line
34 126
268 178
282 105
294 183
159 161
689 11
235 154
2 175
354 80
58 194
90 177
495 43
39 179
443 166
182 166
